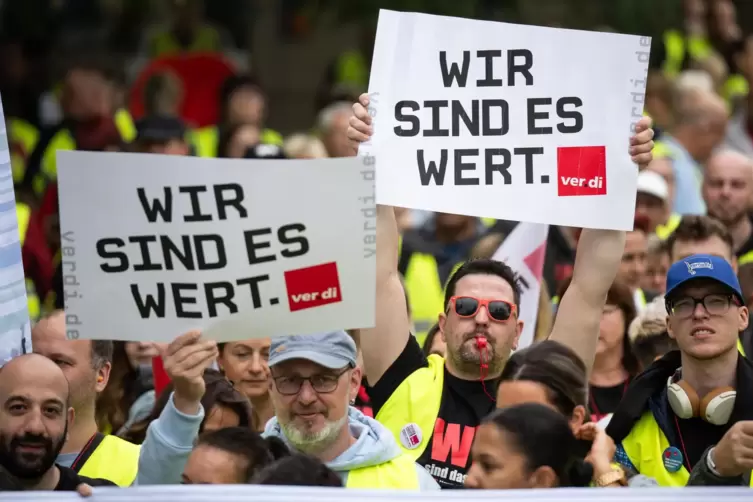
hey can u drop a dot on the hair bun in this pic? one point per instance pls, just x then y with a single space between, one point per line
580 473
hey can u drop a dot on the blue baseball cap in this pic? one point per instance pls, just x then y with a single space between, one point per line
702 266
332 350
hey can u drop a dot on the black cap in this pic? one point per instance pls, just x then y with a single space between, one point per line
160 129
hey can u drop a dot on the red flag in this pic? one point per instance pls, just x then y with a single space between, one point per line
160 375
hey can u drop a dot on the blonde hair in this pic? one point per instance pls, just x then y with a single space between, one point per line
650 322
299 146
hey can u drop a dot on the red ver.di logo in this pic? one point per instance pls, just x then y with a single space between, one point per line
313 286
581 170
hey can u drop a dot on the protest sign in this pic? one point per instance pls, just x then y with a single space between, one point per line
507 121
15 329
156 245
524 251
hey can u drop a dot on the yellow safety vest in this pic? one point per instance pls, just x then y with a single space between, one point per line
415 401
24 136
665 230
115 460
740 347
645 446
745 259
676 44
23 216
661 150
207 39
63 140
735 87
397 474
206 139
351 69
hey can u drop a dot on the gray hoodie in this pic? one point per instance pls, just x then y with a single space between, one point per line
374 445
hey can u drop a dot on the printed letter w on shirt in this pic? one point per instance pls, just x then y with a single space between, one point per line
449 446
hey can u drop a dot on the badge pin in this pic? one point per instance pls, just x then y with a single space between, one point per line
672 458
410 436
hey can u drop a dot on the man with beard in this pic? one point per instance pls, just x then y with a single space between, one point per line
34 425
728 191
432 405
315 381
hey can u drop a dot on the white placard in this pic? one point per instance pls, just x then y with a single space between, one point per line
507 121
524 250
243 493
15 329
156 245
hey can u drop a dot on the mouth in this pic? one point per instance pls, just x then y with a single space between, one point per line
31 448
702 332
308 416
255 382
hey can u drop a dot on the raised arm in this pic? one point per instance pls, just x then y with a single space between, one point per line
597 259
382 344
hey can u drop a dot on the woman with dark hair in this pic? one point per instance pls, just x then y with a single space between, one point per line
615 364
298 470
129 395
533 446
223 405
547 373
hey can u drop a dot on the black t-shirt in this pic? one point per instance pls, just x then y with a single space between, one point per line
604 400
464 404
69 480
695 436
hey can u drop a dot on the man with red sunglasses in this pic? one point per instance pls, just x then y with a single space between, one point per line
434 405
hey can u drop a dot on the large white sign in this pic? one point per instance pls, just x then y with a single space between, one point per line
15 330
507 121
156 245
524 250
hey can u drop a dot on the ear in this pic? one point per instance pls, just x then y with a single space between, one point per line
103 376
669 328
441 322
543 477
355 383
578 418
744 318
518 331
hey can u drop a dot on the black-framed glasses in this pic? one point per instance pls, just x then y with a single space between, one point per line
716 304
322 384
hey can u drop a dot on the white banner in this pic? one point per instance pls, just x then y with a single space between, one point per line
156 245
524 250
507 121
15 329
244 493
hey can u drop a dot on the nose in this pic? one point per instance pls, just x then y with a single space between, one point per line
307 395
471 480
482 315
700 311
34 424
255 366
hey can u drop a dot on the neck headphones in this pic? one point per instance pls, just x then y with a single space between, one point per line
715 407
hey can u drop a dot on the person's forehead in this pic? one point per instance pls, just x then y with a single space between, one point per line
700 287
727 166
251 344
34 393
51 346
484 286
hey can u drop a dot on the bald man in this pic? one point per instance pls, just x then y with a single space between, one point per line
727 191
34 423
700 124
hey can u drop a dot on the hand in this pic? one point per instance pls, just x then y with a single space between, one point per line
602 447
84 490
185 361
733 455
359 128
641 143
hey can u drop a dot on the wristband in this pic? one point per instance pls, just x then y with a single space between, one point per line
711 464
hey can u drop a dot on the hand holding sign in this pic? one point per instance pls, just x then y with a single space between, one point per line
185 361
733 455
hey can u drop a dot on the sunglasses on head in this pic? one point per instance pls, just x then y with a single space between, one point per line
467 306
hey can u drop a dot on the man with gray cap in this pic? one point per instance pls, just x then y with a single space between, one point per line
315 381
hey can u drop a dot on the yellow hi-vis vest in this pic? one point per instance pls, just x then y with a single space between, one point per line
415 401
34 305
351 69
206 139
163 43
22 139
645 446
676 45
745 259
115 460
665 230
63 140
397 474
740 347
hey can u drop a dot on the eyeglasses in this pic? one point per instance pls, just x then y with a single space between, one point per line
715 305
467 306
322 384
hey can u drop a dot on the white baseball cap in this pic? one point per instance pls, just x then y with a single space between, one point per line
653 183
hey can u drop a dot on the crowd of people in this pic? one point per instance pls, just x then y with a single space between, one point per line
640 373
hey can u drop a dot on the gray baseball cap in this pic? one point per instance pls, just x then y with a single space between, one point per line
332 350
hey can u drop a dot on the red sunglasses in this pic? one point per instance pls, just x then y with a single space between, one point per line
467 306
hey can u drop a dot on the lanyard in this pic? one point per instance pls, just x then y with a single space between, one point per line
682 444
83 453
